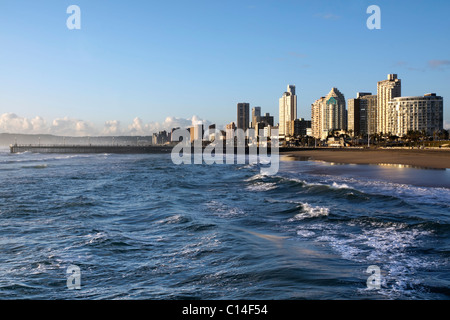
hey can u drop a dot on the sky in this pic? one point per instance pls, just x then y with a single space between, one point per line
136 67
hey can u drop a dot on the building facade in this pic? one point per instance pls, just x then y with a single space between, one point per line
287 111
300 126
362 114
353 117
415 113
256 116
243 116
328 113
386 91
316 116
230 131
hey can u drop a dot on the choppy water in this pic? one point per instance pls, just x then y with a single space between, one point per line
140 227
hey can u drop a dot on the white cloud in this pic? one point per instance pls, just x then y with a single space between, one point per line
139 128
72 127
12 123
111 128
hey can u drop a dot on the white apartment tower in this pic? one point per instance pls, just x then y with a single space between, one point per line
423 113
288 111
386 90
328 113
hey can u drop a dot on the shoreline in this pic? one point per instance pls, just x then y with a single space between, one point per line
432 159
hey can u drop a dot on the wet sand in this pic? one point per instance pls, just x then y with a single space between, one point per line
434 159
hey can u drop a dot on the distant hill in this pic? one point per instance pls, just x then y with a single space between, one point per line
7 139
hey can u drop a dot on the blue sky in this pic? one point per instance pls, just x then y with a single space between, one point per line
143 61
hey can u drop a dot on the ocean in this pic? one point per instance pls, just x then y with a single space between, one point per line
140 227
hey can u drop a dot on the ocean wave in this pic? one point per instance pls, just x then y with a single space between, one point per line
369 188
309 211
262 186
223 210
389 245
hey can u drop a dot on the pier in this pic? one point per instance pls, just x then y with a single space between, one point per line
116 149
75 149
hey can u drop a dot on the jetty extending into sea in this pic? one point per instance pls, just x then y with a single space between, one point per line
74 149
115 149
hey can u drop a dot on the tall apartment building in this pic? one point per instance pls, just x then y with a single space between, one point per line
300 126
415 113
353 116
196 132
328 113
263 122
229 131
287 110
362 114
256 115
243 116
267 119
316 117
386 90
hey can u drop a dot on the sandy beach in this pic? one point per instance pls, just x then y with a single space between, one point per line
435 159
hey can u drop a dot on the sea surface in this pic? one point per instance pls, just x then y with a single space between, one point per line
140 227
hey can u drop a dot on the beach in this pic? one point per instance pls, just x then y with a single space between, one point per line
434 159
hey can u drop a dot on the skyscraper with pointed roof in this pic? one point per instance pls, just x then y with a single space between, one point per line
288 110
328 113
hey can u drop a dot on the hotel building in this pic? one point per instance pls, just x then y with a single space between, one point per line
362 114
386 90
415 113
243 116
328 113
287 111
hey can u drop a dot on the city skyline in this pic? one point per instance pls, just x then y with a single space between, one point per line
137 70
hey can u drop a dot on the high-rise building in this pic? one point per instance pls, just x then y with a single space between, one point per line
160 138
300 126
243 116
196 132
328 113
172 135
415 113
354 116
362 114
368 114
230 131
212 132
386 90
256 115
267 119
316 116
288 110
264 121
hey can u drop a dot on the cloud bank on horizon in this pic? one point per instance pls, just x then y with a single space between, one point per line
13 123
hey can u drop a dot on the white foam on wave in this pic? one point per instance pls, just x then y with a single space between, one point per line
389 245
171 220
305 233
223 210
340 186
407 192
262 186
257 176
309 211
